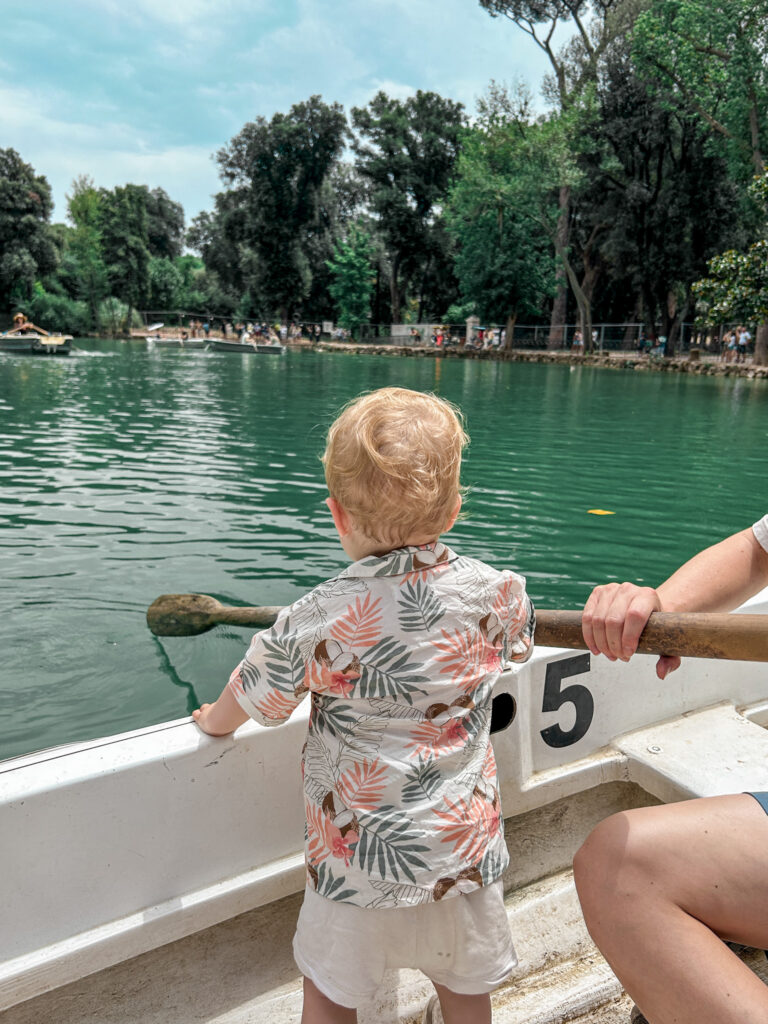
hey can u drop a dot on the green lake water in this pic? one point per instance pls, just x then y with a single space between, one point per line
129 472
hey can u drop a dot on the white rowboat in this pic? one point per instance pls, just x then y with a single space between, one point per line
114 848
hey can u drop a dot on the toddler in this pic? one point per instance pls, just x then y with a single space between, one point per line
400 652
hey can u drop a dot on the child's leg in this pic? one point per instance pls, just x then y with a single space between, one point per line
458 1009
319 1009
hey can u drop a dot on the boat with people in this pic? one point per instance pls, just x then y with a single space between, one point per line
138 880
182 340
26 338
273 348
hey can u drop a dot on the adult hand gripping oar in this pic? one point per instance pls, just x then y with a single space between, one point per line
685 635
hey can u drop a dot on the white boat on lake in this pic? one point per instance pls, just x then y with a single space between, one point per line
156 876
263 347
171 342
31 343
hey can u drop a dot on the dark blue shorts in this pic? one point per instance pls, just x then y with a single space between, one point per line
762 799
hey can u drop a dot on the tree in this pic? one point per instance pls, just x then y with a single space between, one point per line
89 269
711 59
737 284
275 171
166 284
655 197
123 223
352 279
27 248
165 224
406 150
504 263
575 68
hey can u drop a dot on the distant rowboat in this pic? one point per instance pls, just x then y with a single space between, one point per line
33 344
262 347
155 339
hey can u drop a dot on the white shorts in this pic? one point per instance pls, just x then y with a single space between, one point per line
463 943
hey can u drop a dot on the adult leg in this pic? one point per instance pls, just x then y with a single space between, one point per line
319 1009
459 1009
661 886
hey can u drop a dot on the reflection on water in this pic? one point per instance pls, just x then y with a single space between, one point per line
130 472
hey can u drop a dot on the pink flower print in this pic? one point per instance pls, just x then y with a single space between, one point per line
431 739
453 735
322 678
343 846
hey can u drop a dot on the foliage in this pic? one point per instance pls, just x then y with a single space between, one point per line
597 23
406 150
710 58
123 222
165 224
659 198
166 284
58 313
114 317
27 248
88 267
737 283
275 171
351 279
504 262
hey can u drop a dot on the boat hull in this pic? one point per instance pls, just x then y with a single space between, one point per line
193 343
123 844
248 347
36 345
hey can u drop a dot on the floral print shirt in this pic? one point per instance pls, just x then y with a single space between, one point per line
400 654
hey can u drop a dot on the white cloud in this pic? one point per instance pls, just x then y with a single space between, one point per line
112 153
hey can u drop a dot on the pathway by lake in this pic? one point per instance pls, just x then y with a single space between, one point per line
130 472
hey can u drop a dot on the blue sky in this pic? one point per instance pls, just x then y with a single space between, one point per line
148 90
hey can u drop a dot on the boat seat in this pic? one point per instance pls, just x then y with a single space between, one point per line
702 753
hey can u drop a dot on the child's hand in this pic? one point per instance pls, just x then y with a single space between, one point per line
222 717
202 716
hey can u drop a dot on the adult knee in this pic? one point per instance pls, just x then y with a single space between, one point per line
601 865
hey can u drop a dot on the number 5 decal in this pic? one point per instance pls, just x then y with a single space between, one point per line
576 694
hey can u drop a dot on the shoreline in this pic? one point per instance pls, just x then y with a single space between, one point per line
705 366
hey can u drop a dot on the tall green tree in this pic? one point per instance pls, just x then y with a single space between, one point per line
352 278
165 288
165 224
275 172
88 267
737 282
407 150
575 68
124 222
504 262
712 58
27 248
655 195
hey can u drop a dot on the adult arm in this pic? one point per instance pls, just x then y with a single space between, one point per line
717 579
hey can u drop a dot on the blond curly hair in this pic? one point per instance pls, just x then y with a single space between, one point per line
393 460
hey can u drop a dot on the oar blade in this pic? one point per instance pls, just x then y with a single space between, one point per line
181 614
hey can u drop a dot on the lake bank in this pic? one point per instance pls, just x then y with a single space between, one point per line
705 366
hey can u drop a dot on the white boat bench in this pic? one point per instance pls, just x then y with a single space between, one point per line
703 753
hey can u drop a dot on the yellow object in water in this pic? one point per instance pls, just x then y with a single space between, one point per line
599 512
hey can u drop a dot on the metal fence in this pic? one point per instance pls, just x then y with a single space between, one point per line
623 337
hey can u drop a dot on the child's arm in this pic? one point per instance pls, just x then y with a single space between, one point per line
222 717
268 684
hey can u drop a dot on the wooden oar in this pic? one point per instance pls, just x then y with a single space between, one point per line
687 635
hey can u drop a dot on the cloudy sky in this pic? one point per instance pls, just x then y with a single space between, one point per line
148 90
